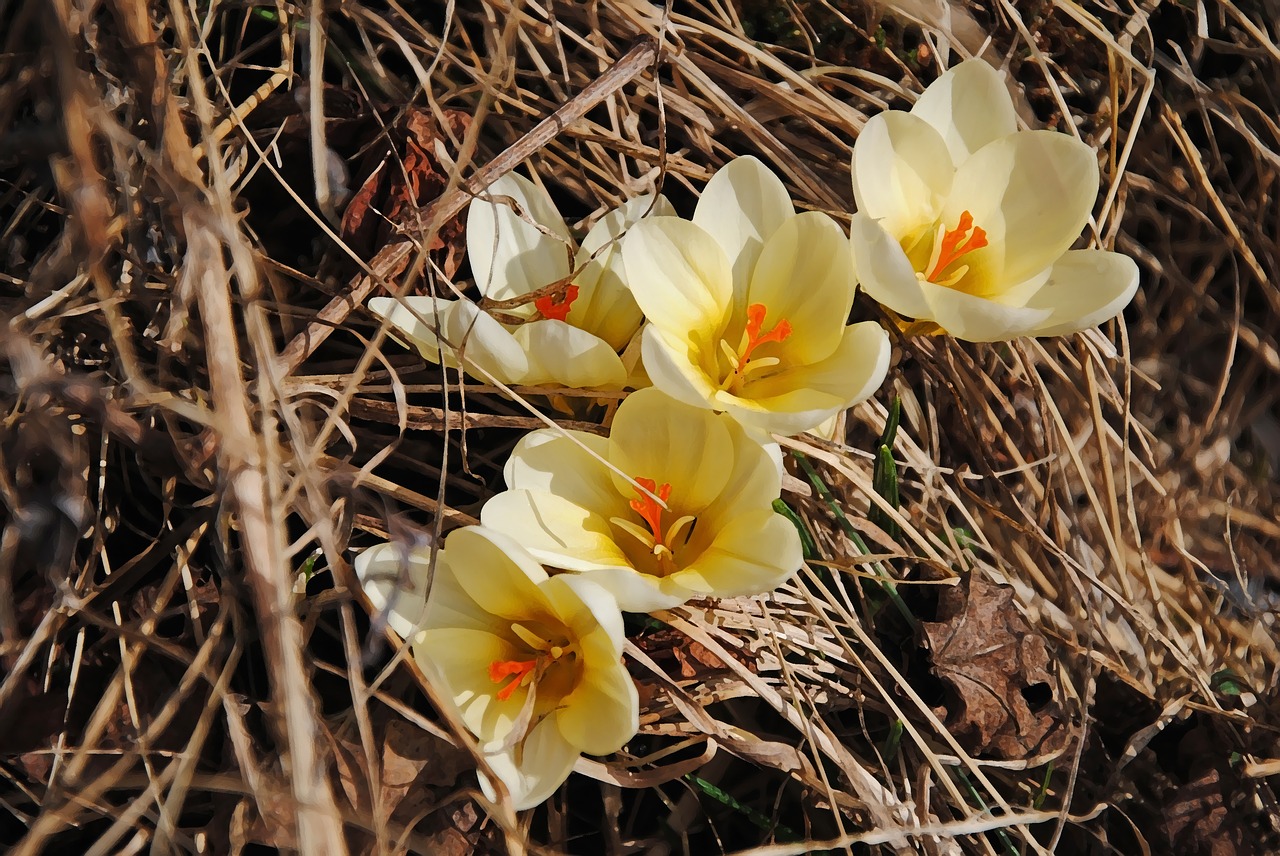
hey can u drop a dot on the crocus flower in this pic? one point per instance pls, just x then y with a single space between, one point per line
695 519
532 662
964 222
747 306
558 314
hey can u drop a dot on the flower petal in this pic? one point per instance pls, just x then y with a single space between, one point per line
798 399
555 530
805 275
483 344
978 319
884 271
902 172
394 578
1032 193
546 760
555 461
742 205
605 305
752 554
656 437
458 659
635 591
560 353
510 256
1085 288
675 367
680 277
495 572
969 106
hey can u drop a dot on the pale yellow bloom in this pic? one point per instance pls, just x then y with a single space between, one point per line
966 222
717 536
532 662
748 304
569 338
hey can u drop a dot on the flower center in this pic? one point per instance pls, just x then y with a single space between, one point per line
950 246
556 306
661 544
522 673
752 337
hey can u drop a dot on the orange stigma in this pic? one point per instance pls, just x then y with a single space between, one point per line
648 508
963 239
755 320
557 311
500 670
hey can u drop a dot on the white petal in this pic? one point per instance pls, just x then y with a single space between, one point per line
555 530
805 276
674 366
799 399
978 319
634 591
1085 288
472 338
902 172
508 255
545 760
742 205
969 106
680 277
884 271
560 353
1032 193
395 579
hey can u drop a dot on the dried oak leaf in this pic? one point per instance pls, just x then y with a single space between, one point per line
400 177
994 667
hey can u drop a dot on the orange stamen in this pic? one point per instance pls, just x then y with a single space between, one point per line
648 508
963 239
557 310
755 320
500 670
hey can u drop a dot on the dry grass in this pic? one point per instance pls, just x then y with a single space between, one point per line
200 421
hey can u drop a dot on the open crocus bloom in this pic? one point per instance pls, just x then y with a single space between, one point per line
560 314
533 663
747 306
701 523
965 222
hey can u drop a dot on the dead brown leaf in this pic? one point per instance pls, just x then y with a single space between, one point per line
401 176
995 668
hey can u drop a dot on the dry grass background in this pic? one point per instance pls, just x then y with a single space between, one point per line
200 423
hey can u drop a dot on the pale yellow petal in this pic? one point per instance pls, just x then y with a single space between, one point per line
561 462
656 437
1085 288
496 572
884 271
752 554
969 105
674 365
559 353
978 319
545 760
743 204
902 172
555 531
605 305
798 399
805 276
679 276
509 255
1031 193
459 659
